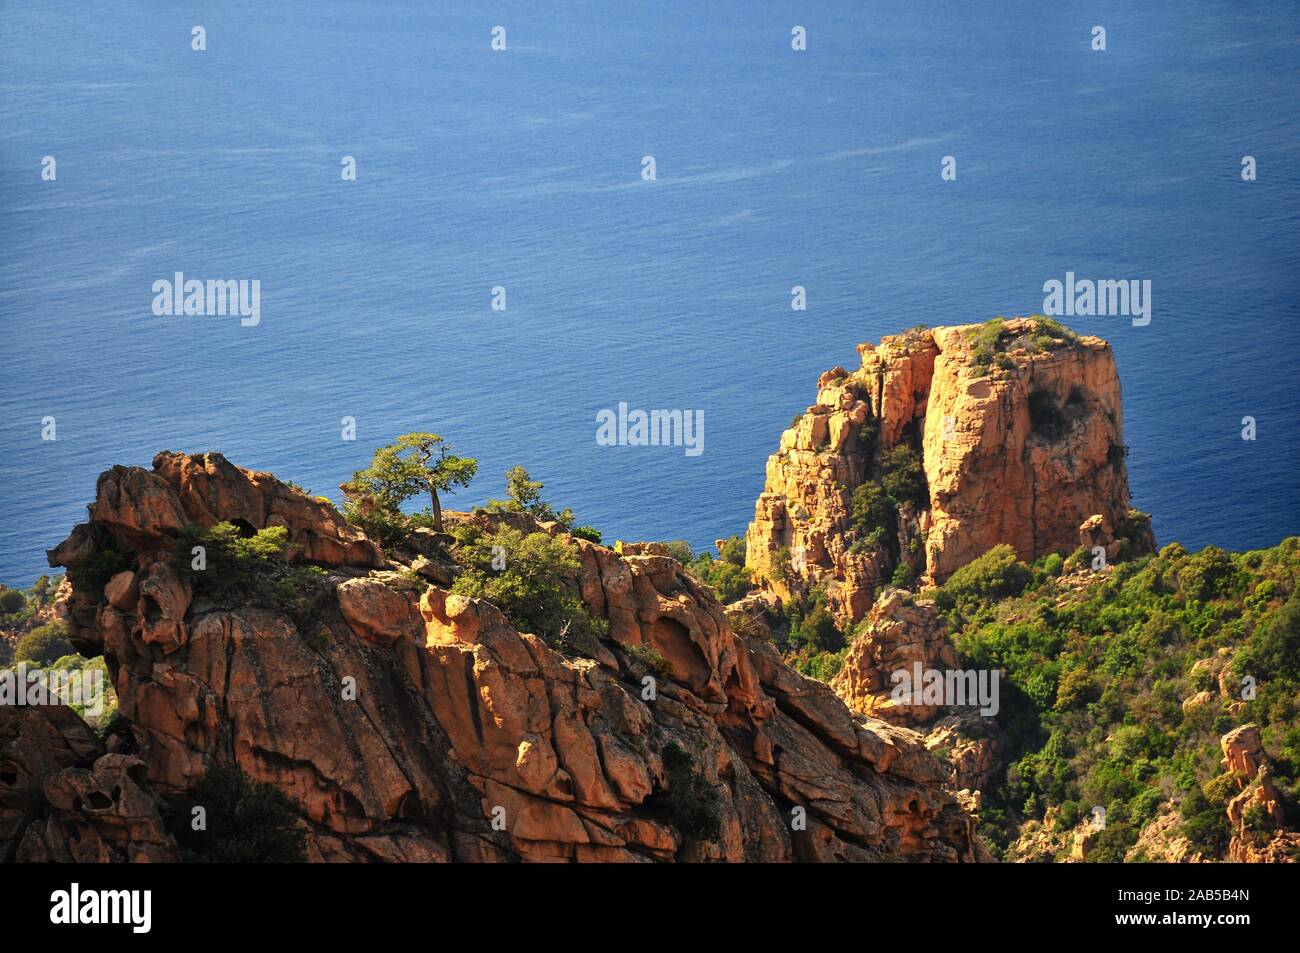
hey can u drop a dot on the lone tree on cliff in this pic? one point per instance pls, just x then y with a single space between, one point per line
414 463
524 495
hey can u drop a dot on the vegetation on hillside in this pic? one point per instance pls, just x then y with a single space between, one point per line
1096 671
874 504
529 577
229 567
992 341
811 640
724 573
44 645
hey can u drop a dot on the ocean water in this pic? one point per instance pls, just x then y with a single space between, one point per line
522 169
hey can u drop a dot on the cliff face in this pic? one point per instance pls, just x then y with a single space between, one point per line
407 722
1016 425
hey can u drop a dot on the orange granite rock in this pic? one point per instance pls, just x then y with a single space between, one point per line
409 722
1022 451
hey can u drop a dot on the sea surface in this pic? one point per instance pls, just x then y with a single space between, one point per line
522 169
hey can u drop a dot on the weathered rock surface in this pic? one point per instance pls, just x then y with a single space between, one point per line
412 723
996 472
1161 842
898 635
1256 815
63 799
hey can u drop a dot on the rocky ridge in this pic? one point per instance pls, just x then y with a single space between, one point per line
408 722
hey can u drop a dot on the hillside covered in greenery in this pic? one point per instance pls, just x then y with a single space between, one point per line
1119 686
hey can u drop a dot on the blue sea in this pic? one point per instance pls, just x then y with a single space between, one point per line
522 169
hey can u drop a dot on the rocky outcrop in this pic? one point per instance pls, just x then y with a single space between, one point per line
1024 449
1042 842
1243 751
62 798
143 511
1255 814
408 722
1162 841
972 745
900 636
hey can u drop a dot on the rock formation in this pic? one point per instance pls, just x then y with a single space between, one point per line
62 798
408 722
1259 834
899 634
1161 841
1018 429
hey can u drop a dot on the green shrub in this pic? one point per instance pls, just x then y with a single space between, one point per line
983 340
691 803
812 631
389 528
246 822
105 560
870 508
1112 843
651 658
726 575
11 601
782 571
1207 574
1134 531
1273 649
535 590
680 550
822 666
873 505
1081 558
904 575
1204 814
733 550
903 477
44 645
43 590
254 570
990 341
997 574
523 495
868 436
726 579
79 663
232 562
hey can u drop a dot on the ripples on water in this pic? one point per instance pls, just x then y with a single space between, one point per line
522 169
